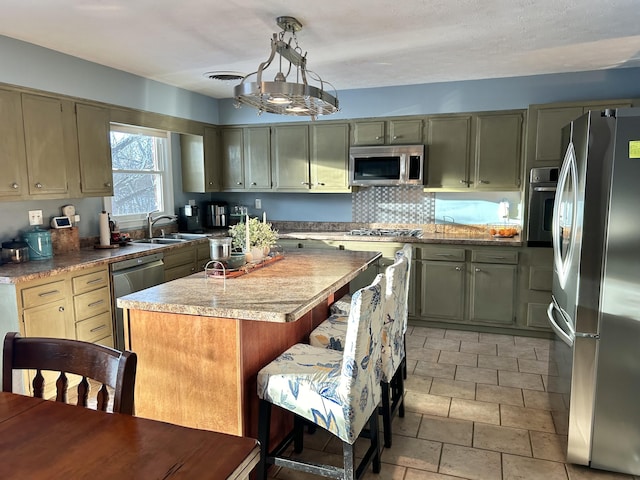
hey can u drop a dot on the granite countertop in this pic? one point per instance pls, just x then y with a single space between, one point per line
282 291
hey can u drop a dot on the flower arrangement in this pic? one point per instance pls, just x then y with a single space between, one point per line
261 234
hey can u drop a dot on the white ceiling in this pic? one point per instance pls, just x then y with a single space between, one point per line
350 43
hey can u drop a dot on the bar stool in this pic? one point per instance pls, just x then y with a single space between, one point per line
331 333
338 391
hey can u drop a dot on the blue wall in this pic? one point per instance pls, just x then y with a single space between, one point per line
31 66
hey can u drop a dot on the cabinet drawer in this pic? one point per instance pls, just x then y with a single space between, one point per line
445 254
92 303
180 257
497 256
90 281
94 328
43 294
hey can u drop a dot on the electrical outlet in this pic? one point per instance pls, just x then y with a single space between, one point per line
258 203
35 217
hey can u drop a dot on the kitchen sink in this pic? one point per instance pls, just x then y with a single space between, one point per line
161 240
187 236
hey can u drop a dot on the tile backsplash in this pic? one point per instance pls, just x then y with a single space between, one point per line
401 204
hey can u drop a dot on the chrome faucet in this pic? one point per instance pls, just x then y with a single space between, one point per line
151 221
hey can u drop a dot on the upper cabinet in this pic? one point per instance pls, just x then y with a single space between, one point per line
13 162
200 168
246 158
480 151
231 159
544 134
94 150
387 132
290 166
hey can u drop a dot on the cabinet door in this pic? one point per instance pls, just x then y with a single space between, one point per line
448 152
405 131
443 289
13 161
257 158
45 144
368 133
291 158
232 159
211 159
329 157
548 130
498 153
492 293
94 149
192 163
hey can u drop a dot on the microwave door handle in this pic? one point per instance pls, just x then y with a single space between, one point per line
544 189
564 336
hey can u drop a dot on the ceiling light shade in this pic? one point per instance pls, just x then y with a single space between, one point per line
283 97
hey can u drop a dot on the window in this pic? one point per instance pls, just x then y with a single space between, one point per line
141 174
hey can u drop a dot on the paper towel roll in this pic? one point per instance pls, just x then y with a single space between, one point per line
105 233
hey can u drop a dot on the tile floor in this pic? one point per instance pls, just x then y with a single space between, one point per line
477 408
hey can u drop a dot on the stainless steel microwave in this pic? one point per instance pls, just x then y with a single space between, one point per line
386 165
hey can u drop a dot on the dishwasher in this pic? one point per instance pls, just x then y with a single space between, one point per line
130 276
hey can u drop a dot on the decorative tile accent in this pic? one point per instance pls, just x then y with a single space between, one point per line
401 204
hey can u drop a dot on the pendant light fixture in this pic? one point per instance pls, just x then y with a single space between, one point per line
289 93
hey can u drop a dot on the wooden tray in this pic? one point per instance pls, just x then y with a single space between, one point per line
247 268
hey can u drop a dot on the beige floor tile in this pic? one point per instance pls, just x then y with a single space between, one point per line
498 394
516 351
407 425
542 354
536 366
529 418
413 474
422 354
556 384
478 375
496 338
387 472
446 430
470 463
498 363
411 365
414 341
442 344
458 358
413 453
428 332
431 369
502 439
529 381
468 336
427 404
418 383
561 422
476 347
485 412
543 400
453 388
549 446
520 468
578 472
544 343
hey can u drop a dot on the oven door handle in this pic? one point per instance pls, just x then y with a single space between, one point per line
544 189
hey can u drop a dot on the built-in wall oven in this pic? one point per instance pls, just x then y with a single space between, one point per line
543 182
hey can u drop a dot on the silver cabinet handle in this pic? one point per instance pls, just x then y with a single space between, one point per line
465 182
378 137
50 292
478 270
321 184
443 254
395 137
61 309
38 185
14 185
253 183
95 280
98 328
458 269
238 183
305 183
483 181
95 304
107 184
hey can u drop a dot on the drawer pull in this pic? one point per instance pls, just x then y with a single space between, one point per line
95 280
61 309
443 254
498 258
95 304
478 270
458 269
49 293
98 328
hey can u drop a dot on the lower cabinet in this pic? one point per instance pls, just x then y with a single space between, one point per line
184 260
92 306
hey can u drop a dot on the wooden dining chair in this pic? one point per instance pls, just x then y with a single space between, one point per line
93 362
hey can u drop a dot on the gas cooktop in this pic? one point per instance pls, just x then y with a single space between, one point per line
386 232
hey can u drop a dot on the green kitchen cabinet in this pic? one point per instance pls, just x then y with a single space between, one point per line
200 161
492 161
388 132
329 157
257 158
232 159
443 290
94 150
492 293
290 167
13 160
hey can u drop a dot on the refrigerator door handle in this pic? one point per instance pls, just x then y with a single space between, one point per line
564 336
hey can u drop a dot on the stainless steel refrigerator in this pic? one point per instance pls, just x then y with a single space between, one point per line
595 311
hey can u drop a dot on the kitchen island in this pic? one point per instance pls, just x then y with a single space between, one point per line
201 340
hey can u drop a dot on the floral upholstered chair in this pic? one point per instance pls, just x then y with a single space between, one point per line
331 333
336 390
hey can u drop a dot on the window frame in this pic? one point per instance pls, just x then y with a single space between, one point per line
166 173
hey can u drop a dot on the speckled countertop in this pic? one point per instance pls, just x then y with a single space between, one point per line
282 291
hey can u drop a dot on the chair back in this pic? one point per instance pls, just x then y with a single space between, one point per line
407 252
393 351
107 366
362 363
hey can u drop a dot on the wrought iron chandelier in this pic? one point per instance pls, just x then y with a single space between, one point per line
281 96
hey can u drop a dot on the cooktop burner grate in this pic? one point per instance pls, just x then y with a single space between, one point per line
386 232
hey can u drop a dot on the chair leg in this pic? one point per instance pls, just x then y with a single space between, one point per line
399 392
375 442
349 461
264 424
298 426
386 414
404 360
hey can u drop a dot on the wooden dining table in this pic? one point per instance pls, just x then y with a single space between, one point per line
46 439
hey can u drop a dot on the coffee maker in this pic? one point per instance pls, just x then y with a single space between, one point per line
189 219
217 215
